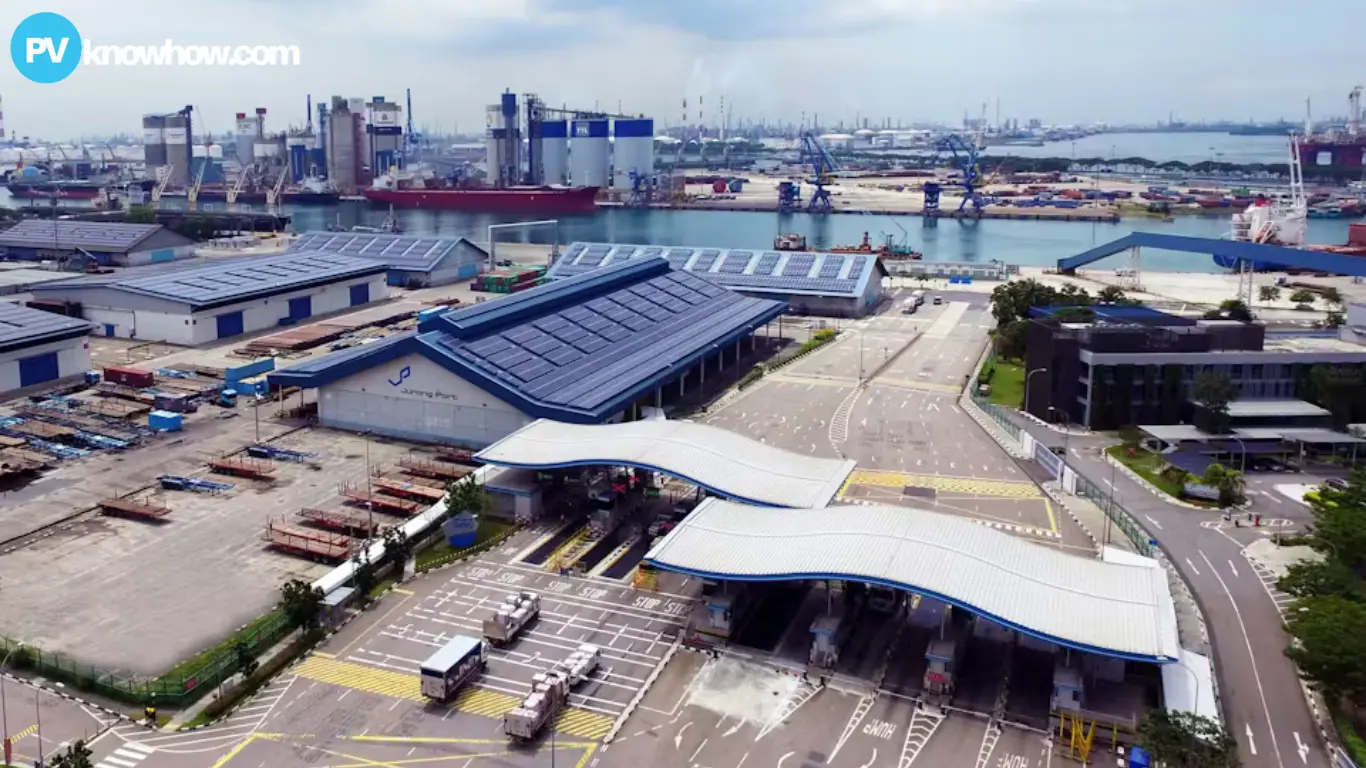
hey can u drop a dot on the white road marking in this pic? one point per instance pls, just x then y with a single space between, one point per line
1256 673
1155 523
1231 568
678 737
699 749
1195 570
1301 748
1252 745
784 757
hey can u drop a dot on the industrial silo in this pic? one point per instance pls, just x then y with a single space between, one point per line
494 138
298 157
153 143
588 156
555 151
633 149
245 138
178 149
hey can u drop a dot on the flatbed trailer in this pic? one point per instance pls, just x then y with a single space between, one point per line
304 541
344 522
408 490
243 467
357 494
145 510
438 469
508 619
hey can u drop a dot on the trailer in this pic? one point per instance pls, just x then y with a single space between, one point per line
357 494
580 664
254 469
515 613
408 490
143 510
438 469
260 451
305 541
549 695
178 483
339 521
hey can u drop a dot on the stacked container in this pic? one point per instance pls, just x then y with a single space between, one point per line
129 377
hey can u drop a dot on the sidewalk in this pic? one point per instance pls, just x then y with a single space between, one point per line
191 712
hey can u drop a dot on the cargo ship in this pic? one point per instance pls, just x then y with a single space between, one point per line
434 195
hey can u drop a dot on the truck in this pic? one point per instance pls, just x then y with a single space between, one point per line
516 612
549 694
918 297
580 664
452 666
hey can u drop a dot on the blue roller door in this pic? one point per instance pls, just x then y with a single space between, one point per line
230 325
300 308
360 294
38 369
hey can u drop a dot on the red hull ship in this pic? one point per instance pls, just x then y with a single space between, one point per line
490 199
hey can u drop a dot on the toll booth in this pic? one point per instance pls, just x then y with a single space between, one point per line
826 637
1068 690
516 493
941 665
718 613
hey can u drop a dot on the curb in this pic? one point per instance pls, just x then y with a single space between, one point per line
1154 490
640 695
1058 499
55 691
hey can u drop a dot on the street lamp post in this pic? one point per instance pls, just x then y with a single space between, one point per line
1242 462
1066 434
1028 376
4 712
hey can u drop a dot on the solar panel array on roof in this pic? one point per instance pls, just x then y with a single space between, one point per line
591 353
735 262
705 260
393 250
678 257
19 324
241 279
766 263
594 255
799 265
856 269
64 234
830 267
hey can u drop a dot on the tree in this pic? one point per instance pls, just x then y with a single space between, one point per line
1111 294
1231 309
1269 293
76 756
1334 319
1340 523
302 603
1074 295
1213 391
363 577
397 548
1336 388
466 495
1011 301
1229 483
1010 340
1331 295
246 660
1321 578
140 214
1303 296
1185 740
1329 650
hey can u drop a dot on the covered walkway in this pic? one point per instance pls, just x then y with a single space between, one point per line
1227 253
724 463
1121 610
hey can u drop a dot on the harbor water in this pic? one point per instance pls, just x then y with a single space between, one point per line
1026 243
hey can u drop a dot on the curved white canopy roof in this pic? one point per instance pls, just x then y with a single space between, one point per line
1121 610
723 462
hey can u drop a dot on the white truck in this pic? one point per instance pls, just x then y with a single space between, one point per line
515 613
918 297
451 667
580 664
549 694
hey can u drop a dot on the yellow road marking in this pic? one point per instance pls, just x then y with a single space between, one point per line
420 760
1052 519
587 753
29 731
235 751
1008 489
473 701
401 591
323 655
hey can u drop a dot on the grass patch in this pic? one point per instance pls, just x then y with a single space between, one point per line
818 339
195 664
257 680
380 586
1149 465
1348 733
440 549
1007 380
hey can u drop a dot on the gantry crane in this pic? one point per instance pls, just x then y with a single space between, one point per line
964 152
275 190
823 167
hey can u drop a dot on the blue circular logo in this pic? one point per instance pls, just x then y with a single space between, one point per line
45 47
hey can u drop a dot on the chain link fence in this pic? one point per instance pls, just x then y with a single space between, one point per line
171 691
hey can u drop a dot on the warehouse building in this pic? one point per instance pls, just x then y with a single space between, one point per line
413 262
73 244
37 347
822 284
590 349
197 305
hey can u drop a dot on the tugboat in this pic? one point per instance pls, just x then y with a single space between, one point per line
888 251
789 242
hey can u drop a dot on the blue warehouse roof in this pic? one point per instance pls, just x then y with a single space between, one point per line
781 273
577 350
231 281
412 254
23 327
62 234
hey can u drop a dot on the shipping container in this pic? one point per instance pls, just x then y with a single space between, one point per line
129 377
172 403
164 421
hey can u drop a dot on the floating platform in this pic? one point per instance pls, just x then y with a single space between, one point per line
145 510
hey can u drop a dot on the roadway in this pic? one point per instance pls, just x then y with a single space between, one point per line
1258 686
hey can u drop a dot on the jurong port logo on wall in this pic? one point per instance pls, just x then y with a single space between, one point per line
47 48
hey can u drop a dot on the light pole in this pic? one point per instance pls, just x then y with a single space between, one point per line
369 502
1028 376
4 712
1242 463
1066 434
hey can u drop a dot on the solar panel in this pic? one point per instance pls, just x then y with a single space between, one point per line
735 262
650 253
798 264
624 253
63 234
766 263
512 357
705 261
564 355
856 268
19 324
830 267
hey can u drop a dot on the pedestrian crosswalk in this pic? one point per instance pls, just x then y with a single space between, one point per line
1023 530
473 700
1006 489
127 756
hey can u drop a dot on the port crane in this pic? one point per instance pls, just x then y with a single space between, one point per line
236 188
273 193
823 167
964 153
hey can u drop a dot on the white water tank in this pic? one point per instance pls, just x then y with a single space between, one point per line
555 151
633 149
588 153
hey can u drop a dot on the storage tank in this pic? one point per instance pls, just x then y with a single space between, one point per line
555 151
246 138
178 149
633 149
153 143
298 158
588 156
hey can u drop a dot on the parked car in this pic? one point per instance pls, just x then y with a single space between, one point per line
1336 483
1268 465
938 299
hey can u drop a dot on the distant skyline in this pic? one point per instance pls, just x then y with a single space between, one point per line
1063 61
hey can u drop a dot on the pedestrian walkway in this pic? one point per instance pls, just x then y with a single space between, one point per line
1005 489
127 756
472 700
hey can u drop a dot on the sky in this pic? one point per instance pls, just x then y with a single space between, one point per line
1062 61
